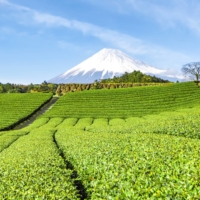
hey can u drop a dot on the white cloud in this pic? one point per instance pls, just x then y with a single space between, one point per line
3 2
50 20
173 13
135 46
128 43
14 6
170 13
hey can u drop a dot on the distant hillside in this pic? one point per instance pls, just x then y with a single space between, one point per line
129 102
134 77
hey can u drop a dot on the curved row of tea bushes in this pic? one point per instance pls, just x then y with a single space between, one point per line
132 166
6 141
184 123
124 103
51 124
36 124
16 107
31 168
8 137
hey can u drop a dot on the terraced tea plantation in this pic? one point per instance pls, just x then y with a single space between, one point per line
153 156
128 102
16 107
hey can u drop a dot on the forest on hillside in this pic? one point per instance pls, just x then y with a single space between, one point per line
134 77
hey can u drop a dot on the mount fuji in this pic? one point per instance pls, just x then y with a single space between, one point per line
106 63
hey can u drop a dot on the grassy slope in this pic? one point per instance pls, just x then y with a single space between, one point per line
149 157
16 107
124 103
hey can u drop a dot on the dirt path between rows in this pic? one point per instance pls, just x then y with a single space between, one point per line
37 114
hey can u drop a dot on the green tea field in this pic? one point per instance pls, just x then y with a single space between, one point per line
127 102
16 107
133 143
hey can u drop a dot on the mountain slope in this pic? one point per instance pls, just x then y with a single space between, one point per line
106 63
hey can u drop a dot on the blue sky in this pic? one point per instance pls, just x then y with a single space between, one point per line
42 39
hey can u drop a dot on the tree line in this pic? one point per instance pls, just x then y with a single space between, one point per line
20 88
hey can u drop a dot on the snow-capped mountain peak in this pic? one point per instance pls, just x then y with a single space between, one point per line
106 63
